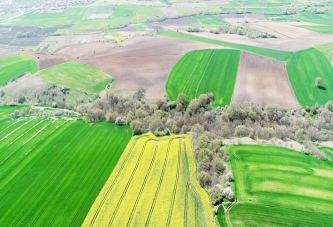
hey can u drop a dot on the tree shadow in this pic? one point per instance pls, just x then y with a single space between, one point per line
322 88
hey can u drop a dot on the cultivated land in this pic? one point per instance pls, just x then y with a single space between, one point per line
154 184
140 62
276 186
14 66
76 76
303 68
204 71
57 168
264 81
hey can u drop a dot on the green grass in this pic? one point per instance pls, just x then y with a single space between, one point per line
52 171
303 68
321 29
76 76
71 15
203 71
6 110
209 20
277 186
270 53
14 66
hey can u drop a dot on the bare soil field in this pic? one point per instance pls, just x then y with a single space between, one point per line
128 31
168 11
56 42
264 81
141 62
46 61
241 18
81 50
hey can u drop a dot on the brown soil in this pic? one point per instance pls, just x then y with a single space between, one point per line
128 31
140 62
168 11
81 50
264 81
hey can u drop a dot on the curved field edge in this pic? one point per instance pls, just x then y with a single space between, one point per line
303 68
153 184
77 76
203 71
15 66
57 168
270 53
273 182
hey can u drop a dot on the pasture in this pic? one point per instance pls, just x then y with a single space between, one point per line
76 76
203 71
277 186
303 68
52 170
6 110
153 184
14 66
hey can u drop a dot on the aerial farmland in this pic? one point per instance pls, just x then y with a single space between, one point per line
166 113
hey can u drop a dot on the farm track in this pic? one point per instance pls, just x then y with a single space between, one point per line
127 185
15 130
23 176
85 174
47 183
69 173
175 187
15 122
143 185
92 189
112 185
17 138
159 184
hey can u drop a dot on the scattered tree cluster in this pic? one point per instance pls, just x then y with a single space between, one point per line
251 33
209 127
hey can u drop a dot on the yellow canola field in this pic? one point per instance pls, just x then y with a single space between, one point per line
153 184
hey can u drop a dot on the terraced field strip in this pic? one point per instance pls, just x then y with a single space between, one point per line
303 68
138 190
77 76
204 71
274 182
14 66
57 169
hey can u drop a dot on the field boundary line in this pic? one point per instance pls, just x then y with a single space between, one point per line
13 152
128 184
15 130
15 122
210 59
159 184
113 182
41 189
143 185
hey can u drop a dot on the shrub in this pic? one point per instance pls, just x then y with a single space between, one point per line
204 179
241 131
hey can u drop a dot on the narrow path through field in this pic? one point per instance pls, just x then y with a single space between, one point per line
22 13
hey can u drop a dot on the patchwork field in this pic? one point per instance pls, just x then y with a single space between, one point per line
52 170
276 186
76 76
200 72
154 184
303 68
140 62
264 81
270 53
14 66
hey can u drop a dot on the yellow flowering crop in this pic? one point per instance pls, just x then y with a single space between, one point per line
153 184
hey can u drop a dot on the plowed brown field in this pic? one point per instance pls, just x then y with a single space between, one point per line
140 62
264 81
